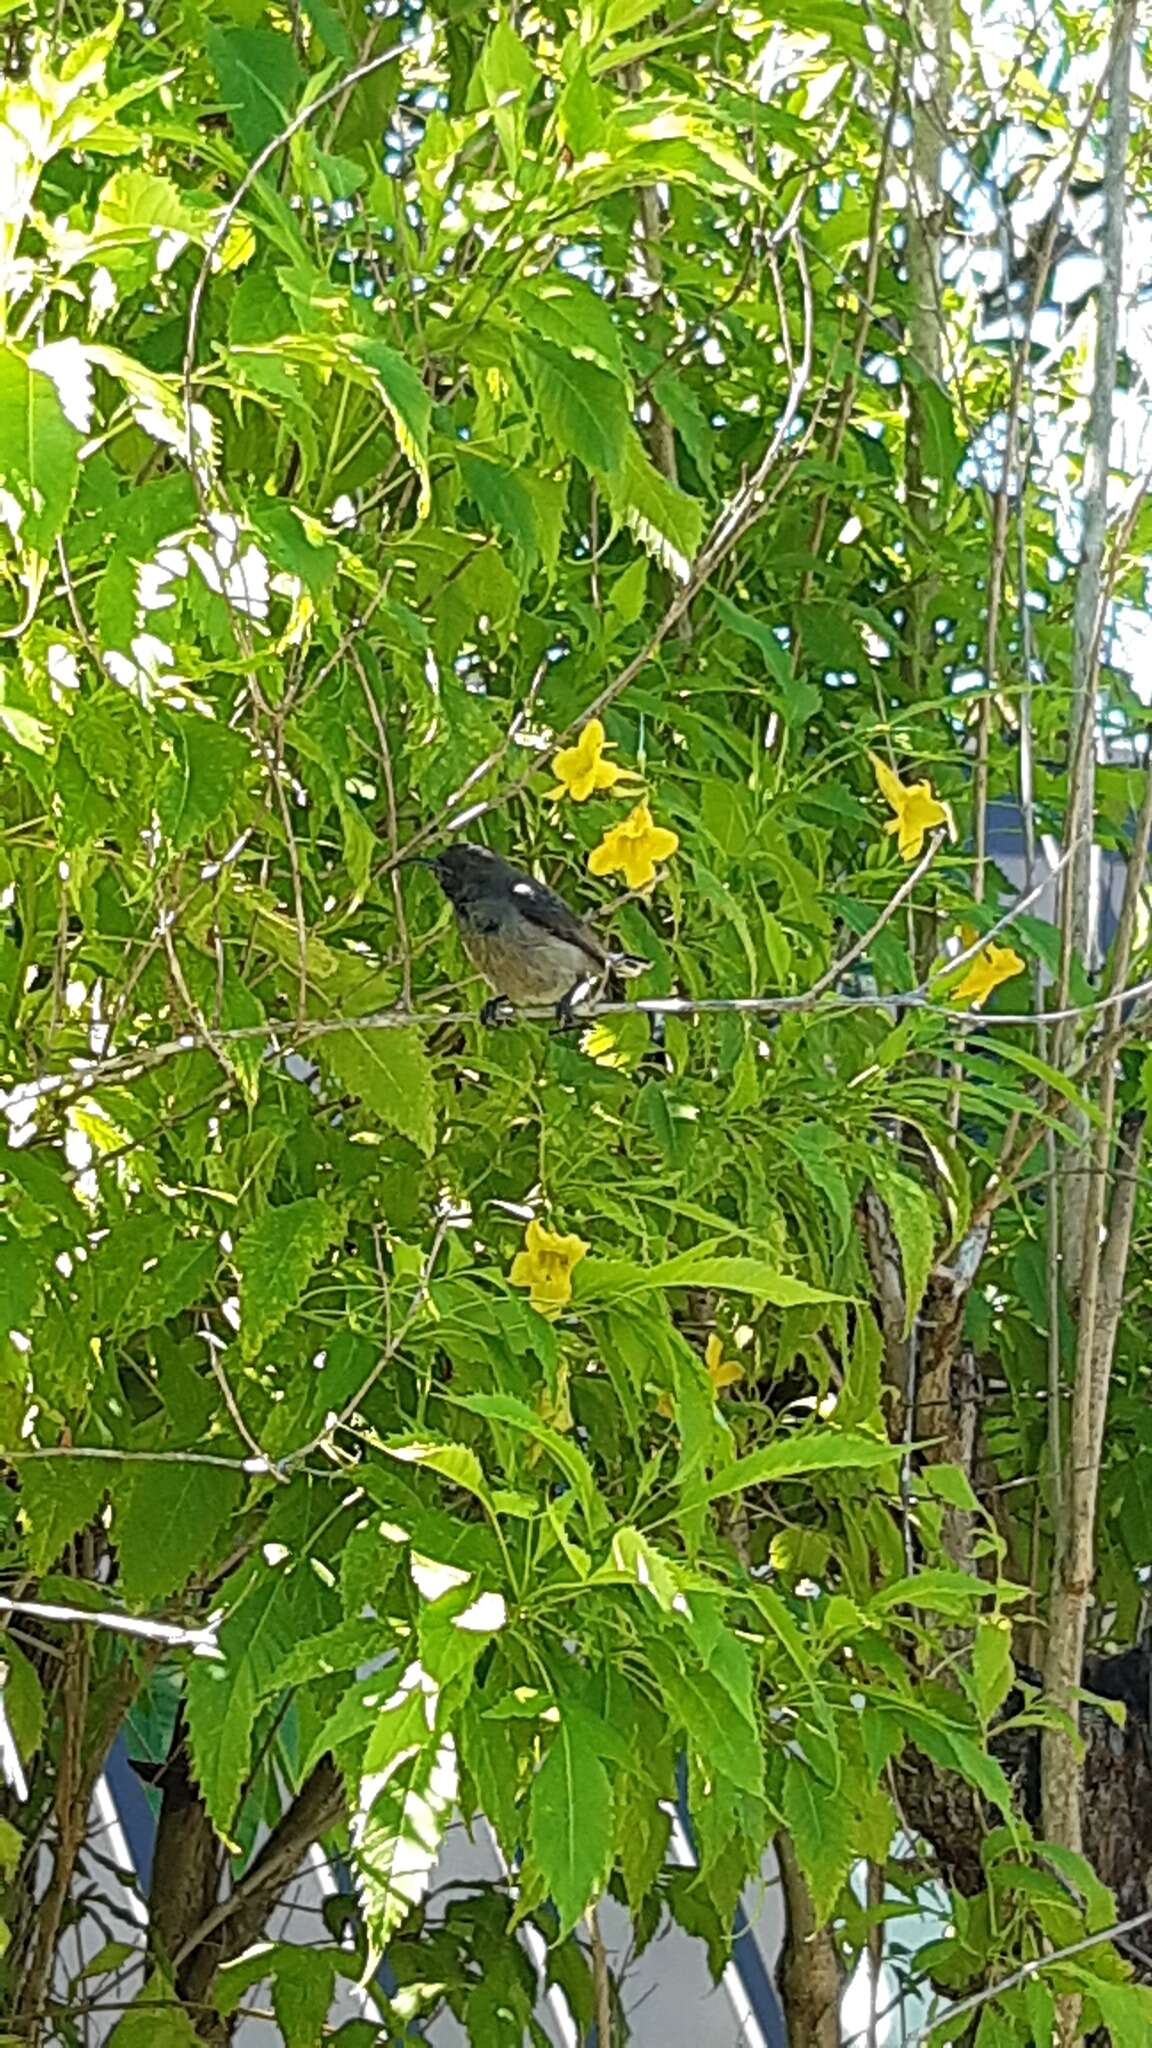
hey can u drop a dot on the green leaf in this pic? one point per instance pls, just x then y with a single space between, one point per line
1017 1056
793 1457
948 1483
568 312
597 1279
330 29
405 1804
501 498
391 1074
23 1699
343 1648
627 598
506 67
405 400
133 206
302 1987
993 1671
941 446
207 772
957 1751
822 1827
169 1520
1126 2009
222 1696
490 1760
620 15
155 2026
721 1735
58 1498
937 1590
1079 1876
570 1822
642 1833
913 1220
456 1463
580 112
275 1259
666 522
21 1285
260 81
775 655
454 1631
1039 2009
677 398
583 408
221 1703
506 1410
642 1562
39 454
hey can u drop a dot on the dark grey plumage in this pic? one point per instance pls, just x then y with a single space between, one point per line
522 937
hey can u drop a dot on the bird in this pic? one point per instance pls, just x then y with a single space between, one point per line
525 941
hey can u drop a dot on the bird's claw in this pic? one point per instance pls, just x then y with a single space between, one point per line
496 1011
567 1009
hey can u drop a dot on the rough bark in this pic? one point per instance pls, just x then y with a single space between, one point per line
186 1868
193 1932
1117 1783
810 1979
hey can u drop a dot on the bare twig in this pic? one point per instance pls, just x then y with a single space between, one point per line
1099 1305
231 1404
861 945
1093 494
200 1640
1027 1971
1001 502
257 1467
127 1067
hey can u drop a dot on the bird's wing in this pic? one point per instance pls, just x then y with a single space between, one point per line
543 907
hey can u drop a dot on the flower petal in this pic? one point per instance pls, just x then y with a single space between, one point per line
605 858
887 781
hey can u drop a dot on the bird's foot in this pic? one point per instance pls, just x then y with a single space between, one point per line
568 1007
496 1011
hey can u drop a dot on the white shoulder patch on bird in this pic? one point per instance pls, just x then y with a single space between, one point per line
523 888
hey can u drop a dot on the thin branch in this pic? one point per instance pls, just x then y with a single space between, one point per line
1000 508
231 1403
839 967
1094 480
202 1641
1025 1973
602 1981
259 1467
128 1066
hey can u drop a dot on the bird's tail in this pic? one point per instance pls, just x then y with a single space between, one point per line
628 966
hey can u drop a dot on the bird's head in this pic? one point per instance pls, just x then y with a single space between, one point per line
464 870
